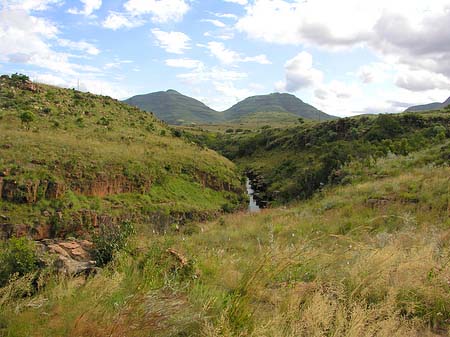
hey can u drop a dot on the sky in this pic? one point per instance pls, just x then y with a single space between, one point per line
344 57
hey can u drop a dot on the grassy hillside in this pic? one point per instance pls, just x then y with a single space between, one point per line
175 108
69 160
275 102
369 258
431 106
293 163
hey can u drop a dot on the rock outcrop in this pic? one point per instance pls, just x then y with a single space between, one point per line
72 257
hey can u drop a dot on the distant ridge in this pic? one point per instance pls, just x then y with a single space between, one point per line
431 106
275 102
175 108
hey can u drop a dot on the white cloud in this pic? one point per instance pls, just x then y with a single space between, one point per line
375 72
216 23
172 42
79 46
184 63
117 21
323 22
226 16
422 80
33 5
205 74
228 56
232 93
406 32
219 36
116 64
239 2
28 40
86 84
300 73
161 10
89 6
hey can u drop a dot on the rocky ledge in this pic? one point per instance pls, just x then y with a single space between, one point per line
71 257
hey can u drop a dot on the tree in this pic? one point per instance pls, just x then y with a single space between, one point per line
26 118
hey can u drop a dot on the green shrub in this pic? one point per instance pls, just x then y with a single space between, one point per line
110 240
19 78
26 118
104 121
17 256
176 133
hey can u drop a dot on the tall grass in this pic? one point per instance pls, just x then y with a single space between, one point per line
370 258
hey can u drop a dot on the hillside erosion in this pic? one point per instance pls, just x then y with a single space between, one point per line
72 160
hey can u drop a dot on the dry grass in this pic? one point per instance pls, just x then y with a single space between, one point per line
336 265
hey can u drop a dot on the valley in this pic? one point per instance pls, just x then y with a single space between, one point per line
269 223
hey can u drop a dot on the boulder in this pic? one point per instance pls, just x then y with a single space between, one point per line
71 257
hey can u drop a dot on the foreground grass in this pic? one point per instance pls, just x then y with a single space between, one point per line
367 259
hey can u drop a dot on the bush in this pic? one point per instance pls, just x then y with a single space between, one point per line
104 121
176 133
110 240
20 78
17 256
26 118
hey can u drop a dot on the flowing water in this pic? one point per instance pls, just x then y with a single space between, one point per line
252 205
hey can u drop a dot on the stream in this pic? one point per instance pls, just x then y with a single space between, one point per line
252 205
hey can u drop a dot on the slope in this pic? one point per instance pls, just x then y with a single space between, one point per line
70 160
293 163
175 108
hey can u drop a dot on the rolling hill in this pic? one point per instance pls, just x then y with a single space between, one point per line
431 106
175 108
276 102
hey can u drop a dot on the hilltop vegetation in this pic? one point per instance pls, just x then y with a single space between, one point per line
70 160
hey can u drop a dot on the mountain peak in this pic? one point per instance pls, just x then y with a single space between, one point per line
172 91
275 102
175 108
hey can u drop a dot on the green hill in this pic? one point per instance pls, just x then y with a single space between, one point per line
275 102
428 107
69 160
175 108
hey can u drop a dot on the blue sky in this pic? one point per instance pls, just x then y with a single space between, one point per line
344 57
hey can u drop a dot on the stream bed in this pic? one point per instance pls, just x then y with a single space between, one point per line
252 205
